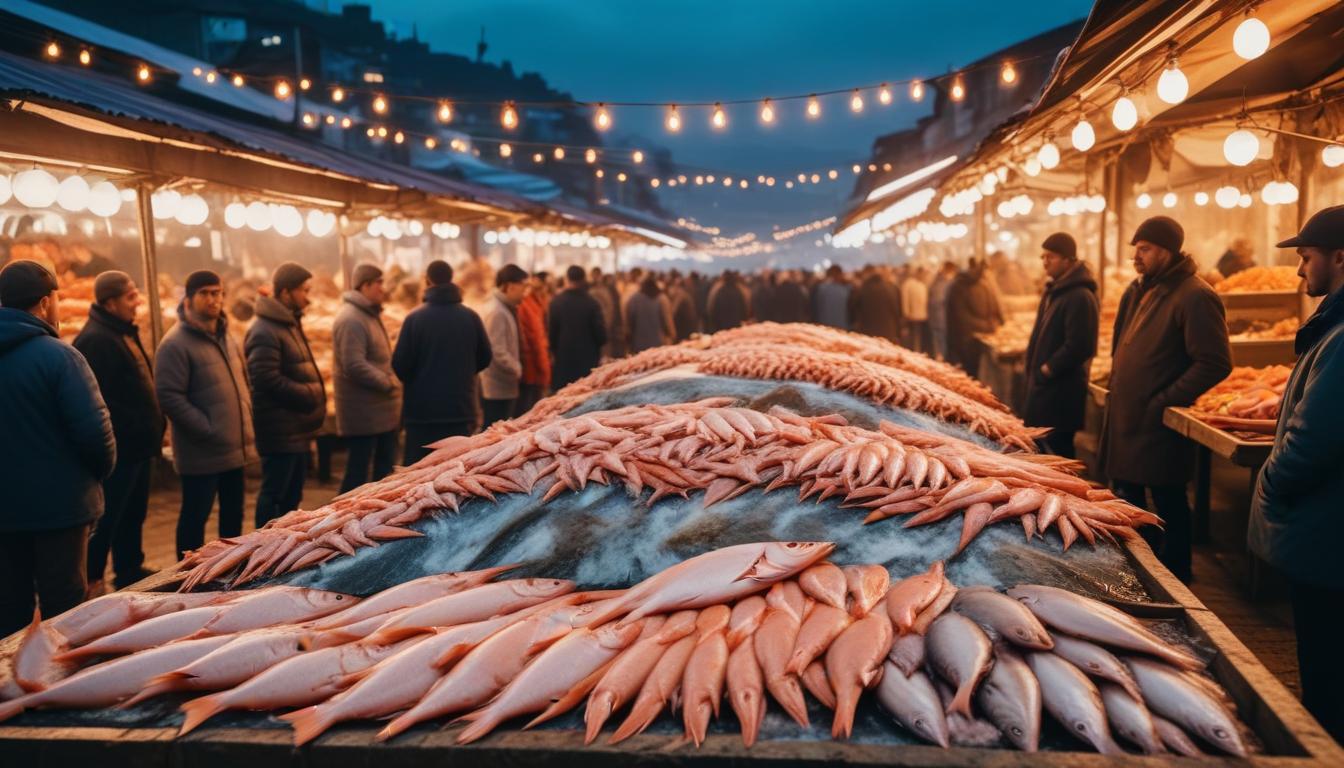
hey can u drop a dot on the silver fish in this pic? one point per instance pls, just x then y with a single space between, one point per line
1010 697
1174 738
960 652
1091 620
1073 700
1095 661
1002 616
1171 693
914 703
1130 720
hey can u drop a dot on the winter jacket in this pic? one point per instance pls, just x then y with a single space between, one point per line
125 378
729 306
650 324
201 380
57 444
915 300
1170 348
938 302
368 393
441 348
875 309
685 321
831 304
536 349
289 402
1296 514
577 334
1064 338
499 381
763 306
972 307
791 304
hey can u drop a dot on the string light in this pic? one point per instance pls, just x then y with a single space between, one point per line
832 174
856 102
282 90
382 132
346 122
506 150
1169 200
719 118
673 119
559 153
1201 199
1008 74
338 94
958 89
1172 85
53 50
813 107
599 173
1048 156
237 81
210 77
1332 155
654 183
883 94
1124 115
1251 39
509 116
431 142
917 90
590 156
637 156
767 112
331 120
621 176
1241 147
602 119
537 157
86 58
399 137
445 112
380 104
142 74
309 119
305 84
1083 136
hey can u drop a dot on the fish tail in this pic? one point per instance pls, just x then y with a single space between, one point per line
595 716
571 699
696 719
750 709
12 707
482 722
961 702
399 724
642 714
156 686
309 723
846 702
199 710
789 694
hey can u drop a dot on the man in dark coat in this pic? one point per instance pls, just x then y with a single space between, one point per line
729 303
57 448
110 342
791 301
972 307
576 329
875 307
1170 348
201 381
1063 342
1296 514
289 402
441 348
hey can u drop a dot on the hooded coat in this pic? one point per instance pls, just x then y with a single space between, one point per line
577 332
441 348
368 394
289 402
1063 338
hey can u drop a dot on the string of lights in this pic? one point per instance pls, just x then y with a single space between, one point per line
802 229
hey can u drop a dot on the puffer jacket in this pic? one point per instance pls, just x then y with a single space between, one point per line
532 340
368 394
201 382
499 381
289 402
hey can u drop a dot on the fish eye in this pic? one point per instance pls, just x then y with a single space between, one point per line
1220 733
1016 731
1081 727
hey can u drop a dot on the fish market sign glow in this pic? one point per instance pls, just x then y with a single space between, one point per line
892 187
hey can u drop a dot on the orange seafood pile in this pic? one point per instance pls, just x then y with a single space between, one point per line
1260 279
1262 330
675 450
1247 393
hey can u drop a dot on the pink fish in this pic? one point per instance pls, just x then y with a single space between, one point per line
416 592
774 643
745 619
662 684
853 663
243 657
825 583
627 674
913 594
35 667
746 689
822 625
702 681
471 605
146 634
815 681
867 585
119 610
270 606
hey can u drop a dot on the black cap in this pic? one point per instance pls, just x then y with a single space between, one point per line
1061 243
24 283
201 278
1325 229
1162 231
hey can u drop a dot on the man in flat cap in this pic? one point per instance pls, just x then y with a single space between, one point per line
1297 515
289 402
1170 347
110 341
368 393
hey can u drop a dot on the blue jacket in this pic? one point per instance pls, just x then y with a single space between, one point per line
57 445
441 348
1297 515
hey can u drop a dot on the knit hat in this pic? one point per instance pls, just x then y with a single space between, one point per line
1061 243
365 274
1162 231
201 278
111 284
289 276
24 283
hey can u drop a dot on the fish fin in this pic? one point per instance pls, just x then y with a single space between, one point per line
308 724
961 702
394 634
789 693
595 716
482 723
842 725
572 697
11 708
199 710
349 679
450 656
642 714
761 569
156 686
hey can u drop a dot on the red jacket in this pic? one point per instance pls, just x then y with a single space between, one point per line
532 340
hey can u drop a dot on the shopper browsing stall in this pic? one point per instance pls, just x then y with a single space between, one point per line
1170 347
368 394
1296 520
500 380
1063 343
577 329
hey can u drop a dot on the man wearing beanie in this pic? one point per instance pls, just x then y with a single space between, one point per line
201 380
1063 343
58 447
368 394
500 381
1170 347
110 341
1295 514
289 402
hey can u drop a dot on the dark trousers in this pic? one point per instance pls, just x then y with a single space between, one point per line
917 336
495 410
45 564
282 477
528 395
1172 542
1319 623
421 434
125 501
380 449
1060 443
198 497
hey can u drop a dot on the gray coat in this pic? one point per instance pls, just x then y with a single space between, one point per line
368 394
500 380
201 382
1297 517
289 402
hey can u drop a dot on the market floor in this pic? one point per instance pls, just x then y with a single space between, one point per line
1265 627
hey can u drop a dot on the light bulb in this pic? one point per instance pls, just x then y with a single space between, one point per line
309 119
509 116
637 156
1251 39
673 119
1289 192
590 155
237 81
53 50
654 183
346 122
1245 200
1032 166
257 216
320 223
286 220
917 90
399 137
1172 85
381 132
1227 196
192 211
282 90
380 104
431 142
883 94
1169 200
767 112
104 199
165 203
235 215
1143 201
1201 199
1241 147
73 194
559 153
338 94
305 84
958 91
1048 156
1083 136
813 107
505 150
832 174
142 74
602 118
1269 194
856 101
210 77
445 112
1008 74
85 58
1124 115
1332 156
537 157
719 119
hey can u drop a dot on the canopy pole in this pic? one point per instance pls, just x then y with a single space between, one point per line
1117 204
149 261
343 251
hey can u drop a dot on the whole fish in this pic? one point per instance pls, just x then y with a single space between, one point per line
662 684
746 618
1073 700
243 657
822 626
913 594
1010 697
119 610
415 592
716 577
1130 719
853 663
1002 616
35 665
815 681
866 585
960 652
1091 620
746 684
1174 738
578 693
914 702
966 731
1095 661
270 606
471 605
703 679
907 653
299 681
150 633
825 583
774 642
1172 694
622 681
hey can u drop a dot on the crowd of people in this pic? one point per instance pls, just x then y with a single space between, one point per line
84 422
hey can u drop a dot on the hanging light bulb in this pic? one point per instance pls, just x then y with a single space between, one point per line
505 150
282 90
1245 200
673 119
654 183
958 91
382 132
1241 147
346 122
380 104
719 119
309 119
1143 201
73 193
399 137
1332 156
85 57
537 157
1083 136
559 153
590 155
1008 73
832 174
53 50
445 112
1227 197
1201 199
602 118
1169 200
431 142
813 107
856 101
1048 155
637 156
917 90
142 73
1251 39
1172 85
883 94
338 94
767 112
1031 166
305 84
508 117
210 77
1124 115
237 81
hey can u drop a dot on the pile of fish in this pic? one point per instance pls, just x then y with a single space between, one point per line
871 368
682 448
953 666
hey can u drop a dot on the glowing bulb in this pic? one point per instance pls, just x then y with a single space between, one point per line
309 119
1172 86
85 57
399 137
1241 147
431 142
599 173
788 185
305 84
445 112
815 178
382 132
104 199
720 118
1332 156
1251 39
590 155
509 117
559 153
917 90
53 50
767 112
654 183
142 74
331 119
1227 197
1048 156
505 150
192 211
602 119
883 94
1124 115
73 194
380 104
282 90
346 122
958 90
1245 200
537 157
832 174
1008 74
1143 201
210 77
1201 199
856 101
637 156
238 83
857 168
1032 166
1083 136
673 119
813 107
338 94
742 184
1169 200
